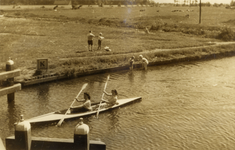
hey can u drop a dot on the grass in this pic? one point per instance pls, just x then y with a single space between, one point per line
60 36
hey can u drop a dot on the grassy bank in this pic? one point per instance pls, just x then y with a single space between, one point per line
77 66
154 57
61 37
166 19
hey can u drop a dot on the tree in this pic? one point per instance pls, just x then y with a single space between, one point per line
216 5
208 4
232 3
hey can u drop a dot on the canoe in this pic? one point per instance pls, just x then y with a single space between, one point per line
56 116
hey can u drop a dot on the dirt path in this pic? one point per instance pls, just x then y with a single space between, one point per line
214 44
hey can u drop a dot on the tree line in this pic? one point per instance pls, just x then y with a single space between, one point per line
80 2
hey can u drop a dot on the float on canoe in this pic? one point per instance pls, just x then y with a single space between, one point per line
55 116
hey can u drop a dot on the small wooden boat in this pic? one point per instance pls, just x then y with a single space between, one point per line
54 116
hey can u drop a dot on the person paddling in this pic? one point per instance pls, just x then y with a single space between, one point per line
113 97
86 106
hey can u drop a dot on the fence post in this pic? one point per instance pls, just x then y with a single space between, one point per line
81 136
10 81
23 135
2 147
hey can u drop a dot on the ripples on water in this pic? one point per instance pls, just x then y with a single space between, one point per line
184 106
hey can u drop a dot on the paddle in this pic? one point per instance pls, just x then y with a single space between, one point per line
102 97
62 119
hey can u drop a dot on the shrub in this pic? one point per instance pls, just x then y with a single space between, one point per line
17 13
156 27
69 72
226 34
211 34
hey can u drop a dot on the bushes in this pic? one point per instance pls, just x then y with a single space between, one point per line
226 34
17 13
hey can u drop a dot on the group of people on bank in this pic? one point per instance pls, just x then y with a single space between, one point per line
90 37
100 39
144 62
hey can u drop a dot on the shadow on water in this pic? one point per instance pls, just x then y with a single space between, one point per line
13 114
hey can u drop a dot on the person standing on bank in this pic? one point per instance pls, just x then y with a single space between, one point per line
144 62
131 61
100 38
90 37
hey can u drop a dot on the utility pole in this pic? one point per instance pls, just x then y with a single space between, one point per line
200 11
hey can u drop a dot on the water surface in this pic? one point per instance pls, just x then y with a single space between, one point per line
184 106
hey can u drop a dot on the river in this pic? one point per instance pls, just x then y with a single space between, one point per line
184 106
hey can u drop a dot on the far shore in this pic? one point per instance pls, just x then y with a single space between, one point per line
61 37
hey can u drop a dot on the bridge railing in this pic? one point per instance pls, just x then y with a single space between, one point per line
9 88
22 140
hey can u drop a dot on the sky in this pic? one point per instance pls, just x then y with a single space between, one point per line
203 1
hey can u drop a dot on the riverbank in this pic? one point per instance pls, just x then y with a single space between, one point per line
155 57
60 36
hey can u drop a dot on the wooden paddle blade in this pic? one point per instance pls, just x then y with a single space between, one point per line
62 119
84 86
60 122
97 114
98 111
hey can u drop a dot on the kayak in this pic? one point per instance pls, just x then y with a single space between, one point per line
56 116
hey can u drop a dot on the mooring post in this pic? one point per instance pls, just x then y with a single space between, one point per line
2 147
81 136
23 135
10 81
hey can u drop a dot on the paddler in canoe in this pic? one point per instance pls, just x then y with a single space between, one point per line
86 106
113 97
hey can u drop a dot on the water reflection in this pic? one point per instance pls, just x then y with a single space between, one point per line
13 114
131 76
113 117
43 92
143 75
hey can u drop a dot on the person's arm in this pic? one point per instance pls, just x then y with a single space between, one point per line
80 100
104 100
107 93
